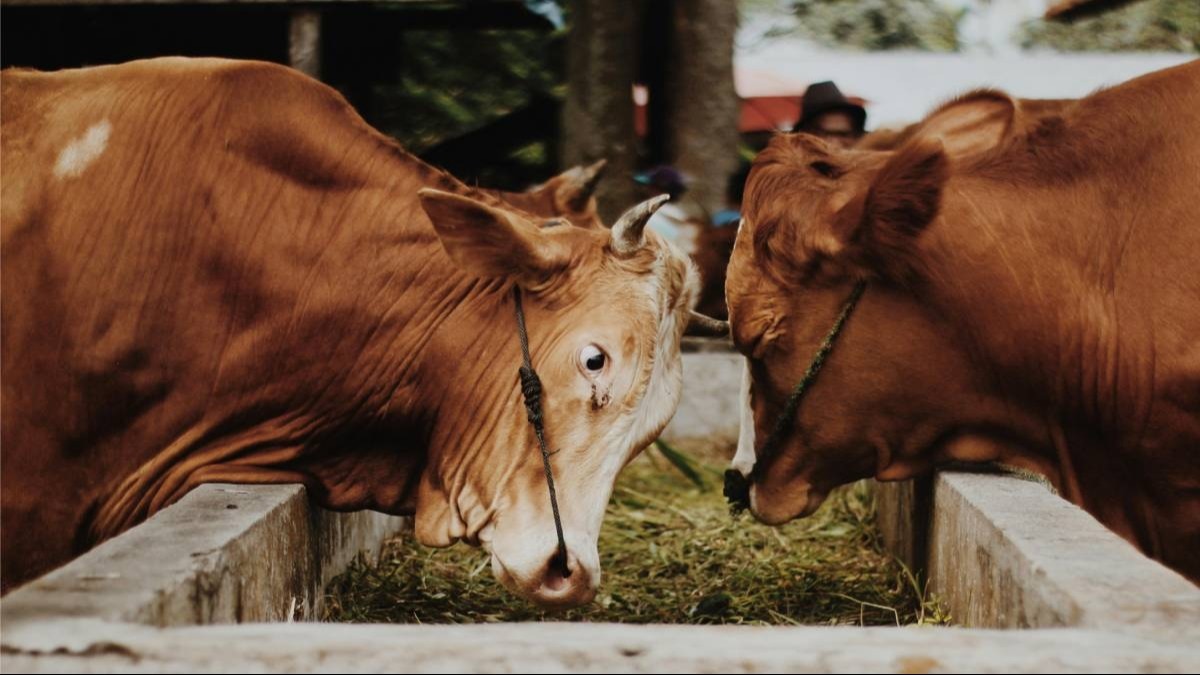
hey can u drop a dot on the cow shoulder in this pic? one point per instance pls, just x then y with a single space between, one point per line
295 126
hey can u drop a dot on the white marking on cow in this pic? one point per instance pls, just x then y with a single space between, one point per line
743 460
81 152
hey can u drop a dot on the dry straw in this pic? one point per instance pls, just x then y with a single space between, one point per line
671 553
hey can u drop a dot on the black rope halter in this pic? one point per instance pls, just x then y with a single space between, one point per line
737 486
531 390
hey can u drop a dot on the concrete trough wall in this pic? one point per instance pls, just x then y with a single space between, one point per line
583 648
1007 553
708 412
222 554
999 552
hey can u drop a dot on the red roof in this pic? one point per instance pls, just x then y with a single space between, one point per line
769 113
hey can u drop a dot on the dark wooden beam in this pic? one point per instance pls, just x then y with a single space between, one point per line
1070 10
468 155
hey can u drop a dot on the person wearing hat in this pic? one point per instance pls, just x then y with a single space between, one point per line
827 113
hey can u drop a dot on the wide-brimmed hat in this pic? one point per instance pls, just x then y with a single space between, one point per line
824 97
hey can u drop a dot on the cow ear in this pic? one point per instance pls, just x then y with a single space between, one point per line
877 229
970 124
492 242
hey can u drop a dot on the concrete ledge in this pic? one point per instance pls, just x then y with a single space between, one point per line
1007 553
599 648
223 553
709 410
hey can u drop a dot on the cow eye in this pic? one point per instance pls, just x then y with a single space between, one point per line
826 169
593 358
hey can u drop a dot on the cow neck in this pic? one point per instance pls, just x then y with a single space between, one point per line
459 322
1047 358
1032 294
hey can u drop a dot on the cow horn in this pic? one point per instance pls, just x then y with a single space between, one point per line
582 183
700 325
627 232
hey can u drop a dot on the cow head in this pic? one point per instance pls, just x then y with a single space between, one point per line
899 391
605 311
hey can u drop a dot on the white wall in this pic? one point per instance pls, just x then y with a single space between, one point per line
902 86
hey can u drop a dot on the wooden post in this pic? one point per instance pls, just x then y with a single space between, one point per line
703 106
657 42
597 119
304 41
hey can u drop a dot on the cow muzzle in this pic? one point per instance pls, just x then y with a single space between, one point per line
737 491
542 580
776 505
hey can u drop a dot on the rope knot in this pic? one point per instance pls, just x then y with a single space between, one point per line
531 389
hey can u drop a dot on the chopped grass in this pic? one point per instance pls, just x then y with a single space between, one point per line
670 553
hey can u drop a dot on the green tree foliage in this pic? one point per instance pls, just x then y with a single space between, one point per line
876 25
452 82
1149 25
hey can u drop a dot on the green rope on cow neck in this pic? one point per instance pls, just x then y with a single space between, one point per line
737 487
793 403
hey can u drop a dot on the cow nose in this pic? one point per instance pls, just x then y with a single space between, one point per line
737 491
558 574
565 585
560 566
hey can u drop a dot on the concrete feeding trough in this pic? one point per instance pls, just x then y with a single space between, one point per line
223 554
179 591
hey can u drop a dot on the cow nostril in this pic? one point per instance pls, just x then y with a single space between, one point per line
557 591
560 564
555 581
557 572
737 491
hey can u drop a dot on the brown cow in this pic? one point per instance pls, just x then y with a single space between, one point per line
1033 299
200 287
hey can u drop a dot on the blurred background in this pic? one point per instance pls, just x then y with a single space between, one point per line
505 93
